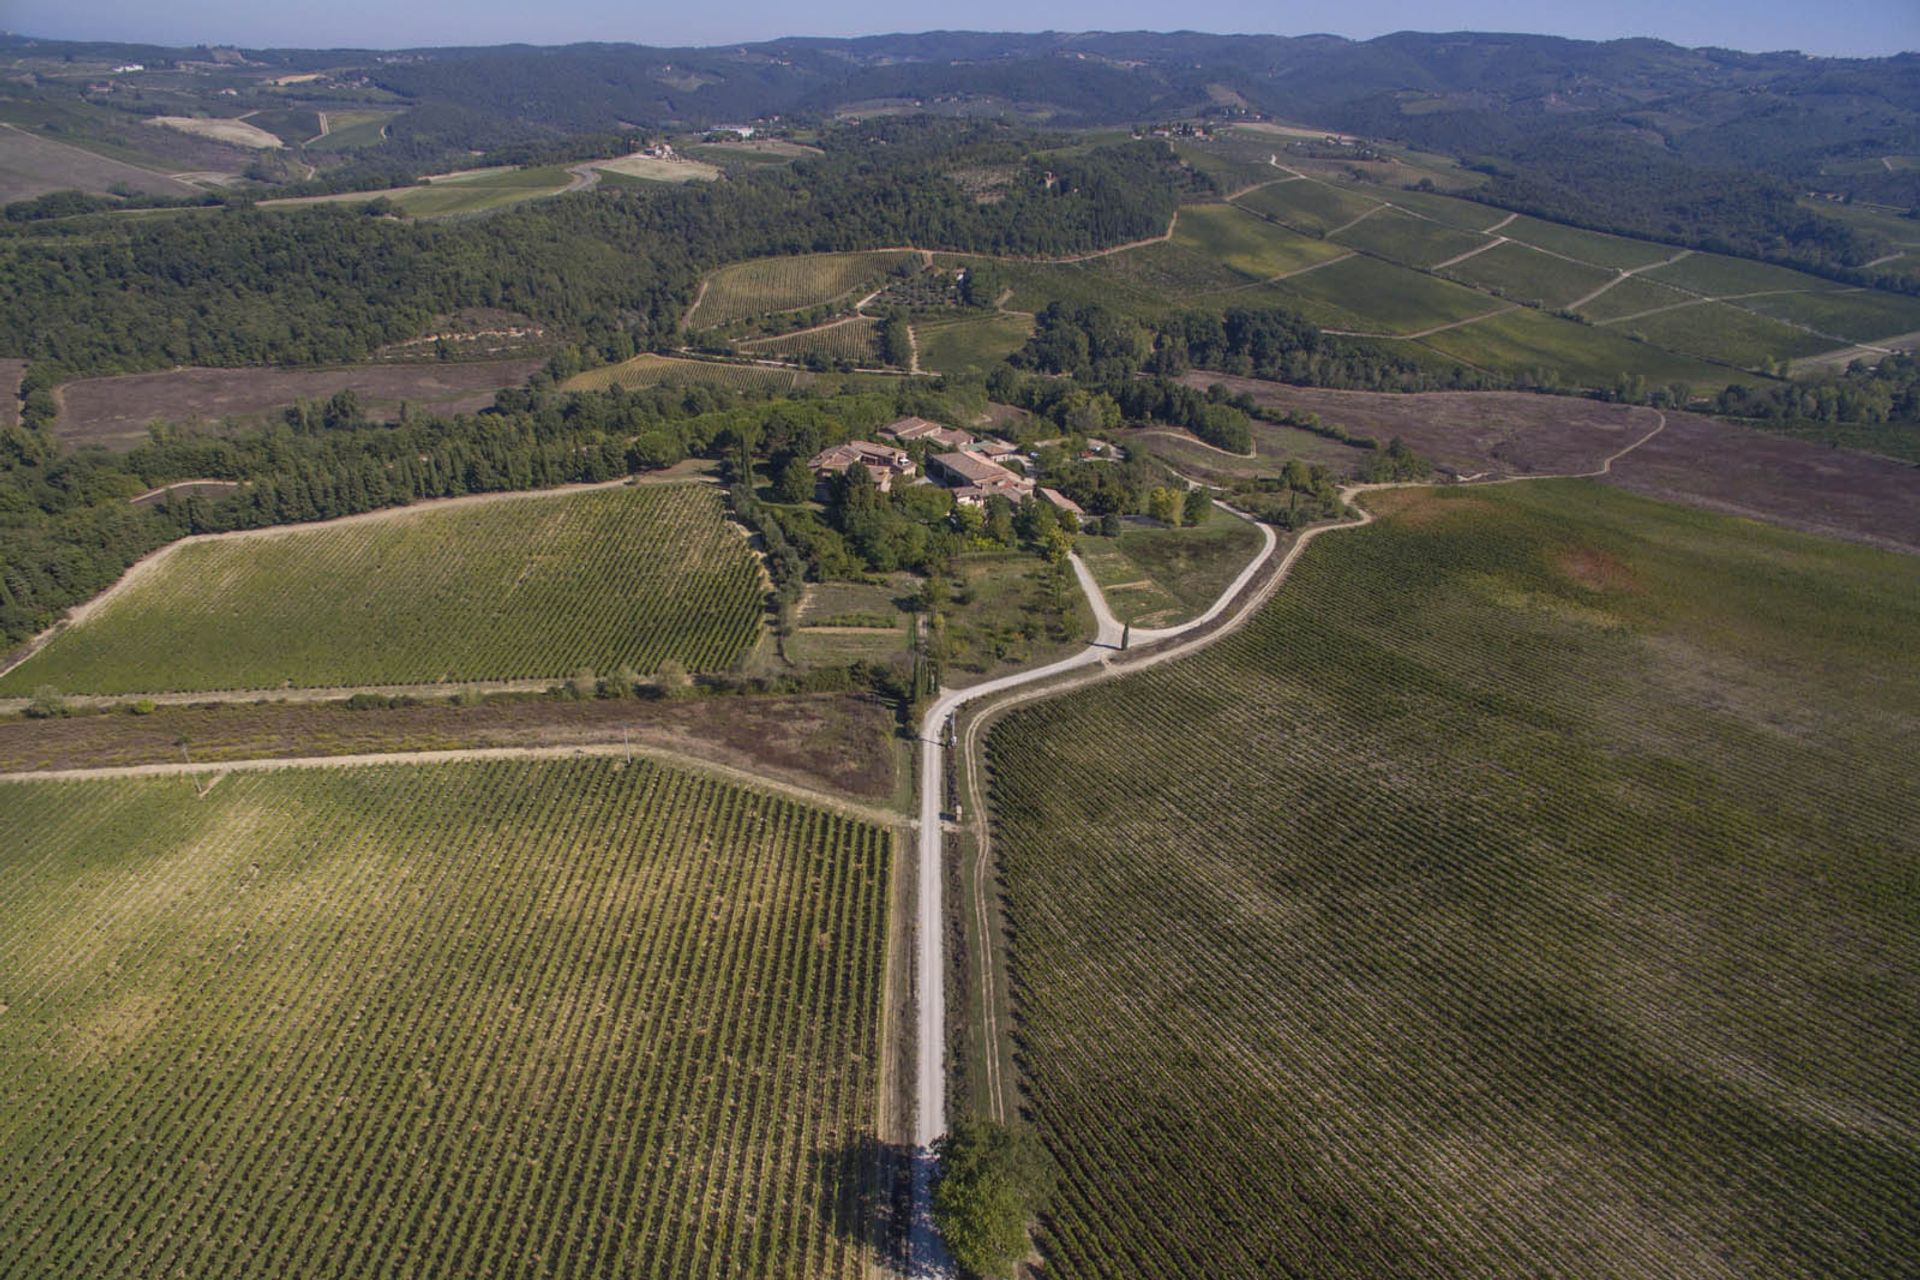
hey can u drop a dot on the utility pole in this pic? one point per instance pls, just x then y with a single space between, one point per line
1126 635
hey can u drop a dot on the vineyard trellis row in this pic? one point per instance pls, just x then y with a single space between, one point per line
526 587
494 1018
1525 890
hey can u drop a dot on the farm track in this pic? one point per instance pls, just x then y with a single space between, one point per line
598 750
1024 687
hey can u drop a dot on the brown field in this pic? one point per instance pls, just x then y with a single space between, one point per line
31 166
834 742
10 371
1739 471
1469 432
115 411
1696 460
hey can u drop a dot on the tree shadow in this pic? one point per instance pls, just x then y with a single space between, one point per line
865 1190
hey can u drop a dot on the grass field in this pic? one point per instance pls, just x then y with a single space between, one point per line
970 343
1528 890
348 130
654 371
1249 247
1634 296
1523 274
554 1017
1403 238
1366 295
1718 276
1526 341
1860 315
1721 331
1308 206
766 285
1156 577
514 588
1601 250
454 194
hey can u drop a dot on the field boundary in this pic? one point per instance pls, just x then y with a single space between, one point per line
892 819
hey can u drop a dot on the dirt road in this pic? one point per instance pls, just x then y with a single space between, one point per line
1102 656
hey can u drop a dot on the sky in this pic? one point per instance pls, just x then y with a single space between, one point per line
1871 28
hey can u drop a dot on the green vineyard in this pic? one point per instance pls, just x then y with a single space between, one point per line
766 285
533 587
514 1018
1527 890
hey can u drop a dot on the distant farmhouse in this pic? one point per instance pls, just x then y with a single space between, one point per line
883 461
908 430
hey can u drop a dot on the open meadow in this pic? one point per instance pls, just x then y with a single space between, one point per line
650 370
513 1017
1526 890
528 586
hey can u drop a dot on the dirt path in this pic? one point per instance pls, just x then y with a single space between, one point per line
1578 303
1474 252
1506 221
1162 238
1427 333
740 777
1354 222
1026 687
585 178
1187 437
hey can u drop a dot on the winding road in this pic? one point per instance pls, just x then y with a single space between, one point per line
927 1257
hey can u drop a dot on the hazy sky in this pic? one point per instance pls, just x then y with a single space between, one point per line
1870 27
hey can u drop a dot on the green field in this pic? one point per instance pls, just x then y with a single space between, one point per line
527 587
349 130
506 1018
1721 331
1526 342
1404 238
1528 890
1309 206
767 285
1157 577
657 371
1616 252
1859 315
1631 297
971 343
855 340
1468 215
1366 295
1523 274
1718 276
1245 245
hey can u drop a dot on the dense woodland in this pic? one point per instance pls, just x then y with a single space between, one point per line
332 284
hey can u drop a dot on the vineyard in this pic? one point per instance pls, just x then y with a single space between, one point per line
854 341
515 588
515 1018
1527 890
765 285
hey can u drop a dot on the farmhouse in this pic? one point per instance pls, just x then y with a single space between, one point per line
907 430
884 461
974 479
1061 502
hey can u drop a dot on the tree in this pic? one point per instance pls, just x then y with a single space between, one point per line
794 483
672 679
1165 504
1198 504
991 1181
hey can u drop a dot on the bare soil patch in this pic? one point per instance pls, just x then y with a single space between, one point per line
236 133
1468 432
834 742
115 411
1695 460
1739 471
